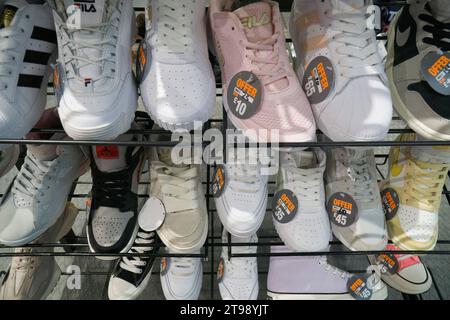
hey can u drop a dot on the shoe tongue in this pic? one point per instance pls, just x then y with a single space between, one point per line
348 5
440 9
85 13
43 152
256 18
7 14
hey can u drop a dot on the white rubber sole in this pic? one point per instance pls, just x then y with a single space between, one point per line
377 295
399 106
405 287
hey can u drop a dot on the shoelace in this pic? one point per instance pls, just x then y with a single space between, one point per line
136 264
241 267
336 271
182 266
31 176
74 59
306 182
359 173
111 189
424 182
247 175
174 20
24 263
8 45
265 58
439 30
358 52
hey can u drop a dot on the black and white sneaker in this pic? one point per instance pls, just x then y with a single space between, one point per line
131 275
112 222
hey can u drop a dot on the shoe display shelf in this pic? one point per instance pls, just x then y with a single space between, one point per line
77 246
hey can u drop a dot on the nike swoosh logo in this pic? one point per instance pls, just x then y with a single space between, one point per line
402 37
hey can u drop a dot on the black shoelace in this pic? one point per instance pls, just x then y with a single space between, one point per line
439 30
112 190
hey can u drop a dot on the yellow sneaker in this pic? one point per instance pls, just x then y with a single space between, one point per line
411 195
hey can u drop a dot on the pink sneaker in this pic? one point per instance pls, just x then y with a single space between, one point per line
251 39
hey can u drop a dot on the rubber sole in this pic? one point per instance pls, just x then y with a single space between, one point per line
381 294
136 293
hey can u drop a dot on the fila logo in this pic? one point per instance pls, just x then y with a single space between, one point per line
86 6
254 22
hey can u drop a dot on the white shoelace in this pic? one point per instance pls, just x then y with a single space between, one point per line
182 266
174 19
75 59
136 264
8 54
31 176
358 52
336 271
248 177
359 173
306 185
23 263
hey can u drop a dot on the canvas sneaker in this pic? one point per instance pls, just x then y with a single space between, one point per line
417 175
302 172
179 188
419 30
353 172
93 79
311 278
242 204
27 48
181 278
412 276
35 277
37 197
132 274
178 85
238 277
252 39
113 213
341 69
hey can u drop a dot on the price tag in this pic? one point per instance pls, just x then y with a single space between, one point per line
284 206
244 95
436 71
319 79
342 209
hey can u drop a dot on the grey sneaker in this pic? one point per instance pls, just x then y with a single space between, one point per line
418 30
8 159
311 278
34 278
352 172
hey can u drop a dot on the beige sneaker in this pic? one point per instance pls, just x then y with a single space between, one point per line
34 278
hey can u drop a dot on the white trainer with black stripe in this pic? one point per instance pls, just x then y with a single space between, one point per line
27 47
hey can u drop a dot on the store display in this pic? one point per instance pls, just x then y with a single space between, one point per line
260 88
180 191
113 212
181 278
242 201
311 278
8 159
93 79
302 173
34 277
37 197
417 67
238 277
340 68
132 274
27 48
411 276
413 194
353 199
178 87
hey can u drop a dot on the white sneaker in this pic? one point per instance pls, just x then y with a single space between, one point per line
178 85
238 277
27 48
242 204
179 188
302 173
353 172
93 79
352 103
37 197
181 278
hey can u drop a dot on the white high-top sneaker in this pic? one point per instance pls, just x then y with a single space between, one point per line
178 85
302 173
340 68
93 79
238 277
38 196
27 47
